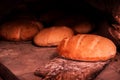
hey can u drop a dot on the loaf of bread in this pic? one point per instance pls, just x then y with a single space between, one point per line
87 47
52 36
80 24
83 27
20 30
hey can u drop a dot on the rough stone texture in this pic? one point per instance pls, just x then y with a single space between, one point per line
64 69
112 71
24 58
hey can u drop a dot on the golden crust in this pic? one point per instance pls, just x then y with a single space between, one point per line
87 47
20 30
52 36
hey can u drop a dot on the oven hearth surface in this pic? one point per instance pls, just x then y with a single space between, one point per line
23 58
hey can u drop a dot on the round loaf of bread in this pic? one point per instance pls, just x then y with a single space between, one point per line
52 36
87 47
80 24
83 27
20 30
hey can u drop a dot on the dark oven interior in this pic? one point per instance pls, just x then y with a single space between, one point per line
22 59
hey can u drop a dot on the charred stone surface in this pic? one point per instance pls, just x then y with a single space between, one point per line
63 69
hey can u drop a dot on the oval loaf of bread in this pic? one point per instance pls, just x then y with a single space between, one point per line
87 47
20 30
52 36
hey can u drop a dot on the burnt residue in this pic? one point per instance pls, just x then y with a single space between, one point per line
64 69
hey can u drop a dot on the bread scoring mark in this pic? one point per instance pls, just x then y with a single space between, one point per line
65 42
19 33
80 39
94 42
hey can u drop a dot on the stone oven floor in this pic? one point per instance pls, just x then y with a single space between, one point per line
23 58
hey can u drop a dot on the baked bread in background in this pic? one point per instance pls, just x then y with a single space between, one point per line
79 23
87 47
83 27
52 36
20 30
